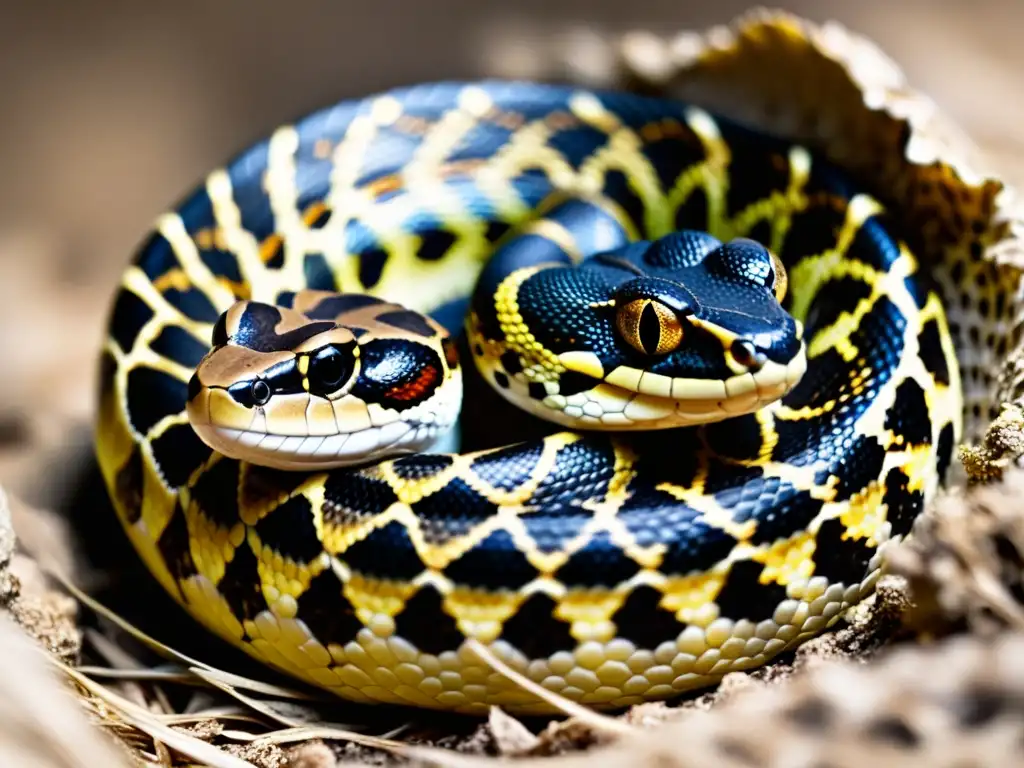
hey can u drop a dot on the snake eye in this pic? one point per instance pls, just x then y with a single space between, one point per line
329 368
260 392
649 326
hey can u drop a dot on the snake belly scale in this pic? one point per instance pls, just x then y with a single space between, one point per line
612 568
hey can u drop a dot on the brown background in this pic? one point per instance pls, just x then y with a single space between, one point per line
111 110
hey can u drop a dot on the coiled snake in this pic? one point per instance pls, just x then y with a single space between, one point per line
712 504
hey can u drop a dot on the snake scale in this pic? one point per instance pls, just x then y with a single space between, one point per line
752 388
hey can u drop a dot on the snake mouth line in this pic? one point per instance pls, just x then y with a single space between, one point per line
649 402
312 451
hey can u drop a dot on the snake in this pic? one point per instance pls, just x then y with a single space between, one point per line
710 385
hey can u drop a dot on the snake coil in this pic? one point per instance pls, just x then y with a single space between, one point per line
612 568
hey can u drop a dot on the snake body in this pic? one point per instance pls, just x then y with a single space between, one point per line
611 568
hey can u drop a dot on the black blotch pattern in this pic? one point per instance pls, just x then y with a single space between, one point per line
406 320
321 219
932 356
216 493
761 232
257 329
174 546
535 631
917 287
260 485
386 553
779 509
351 497
156 257
152 396
221 264
452 511
192 303
317 274
666 455
674 155
754 175
501 379
180 346
424 623
693 213
434 244
743 596
275 259
874 244
733 480
326 612
582 471
617 186
903 504
510 362
837 296
496 563
371 266
839 559
536 390
908 416
862 464
654 517
495 229
813 231
128 486
289 529
737 438
241 586
130 313
944 452
421 466
508 468
179 452
642 621
332 306
572 382
600 562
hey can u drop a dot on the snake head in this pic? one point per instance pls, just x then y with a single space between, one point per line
679 331
333 381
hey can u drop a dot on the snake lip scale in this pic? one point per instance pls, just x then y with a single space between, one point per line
747 389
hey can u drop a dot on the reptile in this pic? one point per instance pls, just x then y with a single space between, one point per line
745 380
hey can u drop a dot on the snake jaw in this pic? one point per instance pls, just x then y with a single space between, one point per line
248 434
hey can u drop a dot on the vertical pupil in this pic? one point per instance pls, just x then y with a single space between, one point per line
649 328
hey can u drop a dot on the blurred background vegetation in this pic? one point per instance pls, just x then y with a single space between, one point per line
111 110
